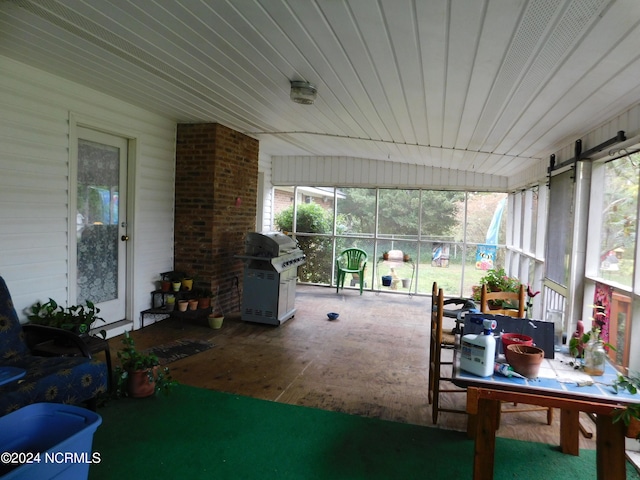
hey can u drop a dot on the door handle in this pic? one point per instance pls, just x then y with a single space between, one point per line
124 238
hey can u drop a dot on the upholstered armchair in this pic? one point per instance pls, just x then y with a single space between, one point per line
70 379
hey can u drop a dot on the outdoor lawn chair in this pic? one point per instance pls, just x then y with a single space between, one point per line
351 260
70 379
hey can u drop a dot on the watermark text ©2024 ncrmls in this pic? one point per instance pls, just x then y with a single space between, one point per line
21 458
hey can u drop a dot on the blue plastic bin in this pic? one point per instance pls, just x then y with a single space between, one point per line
61 434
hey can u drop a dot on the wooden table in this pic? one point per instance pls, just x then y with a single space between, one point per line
556 387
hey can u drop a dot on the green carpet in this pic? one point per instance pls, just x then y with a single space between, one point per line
196 433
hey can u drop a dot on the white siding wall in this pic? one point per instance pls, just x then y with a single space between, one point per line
264 167
34 169
356 172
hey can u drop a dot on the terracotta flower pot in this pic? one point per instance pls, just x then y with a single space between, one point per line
193 304
204 302
525 359
515 338
633 429
139 385
182 305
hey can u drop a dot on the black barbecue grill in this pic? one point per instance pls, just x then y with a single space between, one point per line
270 274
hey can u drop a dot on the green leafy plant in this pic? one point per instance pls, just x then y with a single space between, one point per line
631 384
79 319
497 280
132 360
580 339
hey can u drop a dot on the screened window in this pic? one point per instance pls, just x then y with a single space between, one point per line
443 233
618 209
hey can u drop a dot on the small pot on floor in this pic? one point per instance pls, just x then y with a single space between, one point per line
215 320
139 383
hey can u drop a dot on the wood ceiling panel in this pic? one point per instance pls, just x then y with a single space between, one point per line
445 84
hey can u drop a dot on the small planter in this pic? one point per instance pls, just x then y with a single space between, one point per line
139 385
215 321
204 302
406 257
182 305
193 304
525 359
176 286
385 256
386 280
187 283
406 282
171 303
633 429
165 285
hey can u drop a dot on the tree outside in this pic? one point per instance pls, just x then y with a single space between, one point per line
619 217
311 218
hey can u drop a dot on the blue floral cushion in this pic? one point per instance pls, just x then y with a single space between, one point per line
12 343
69 380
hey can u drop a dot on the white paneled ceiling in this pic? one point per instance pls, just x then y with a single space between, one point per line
490 86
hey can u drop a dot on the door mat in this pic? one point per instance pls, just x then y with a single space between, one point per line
185 347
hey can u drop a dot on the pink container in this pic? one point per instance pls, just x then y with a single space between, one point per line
515 338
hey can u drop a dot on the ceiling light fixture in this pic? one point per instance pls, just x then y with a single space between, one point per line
303 92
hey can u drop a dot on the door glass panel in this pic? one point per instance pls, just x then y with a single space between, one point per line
97 221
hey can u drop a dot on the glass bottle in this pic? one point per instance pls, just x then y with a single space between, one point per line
594 357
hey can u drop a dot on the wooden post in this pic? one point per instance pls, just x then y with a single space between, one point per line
610 454
485 440
570 431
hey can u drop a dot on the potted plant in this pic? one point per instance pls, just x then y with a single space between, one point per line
385 255
496 280
630 415
588 348
79 319
204 296
165 285
215 319
139 374
187 283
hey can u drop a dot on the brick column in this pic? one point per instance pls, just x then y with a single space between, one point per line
215 205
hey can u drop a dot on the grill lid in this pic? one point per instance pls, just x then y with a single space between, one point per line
269 244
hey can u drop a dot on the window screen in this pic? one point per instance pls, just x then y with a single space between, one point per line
560 227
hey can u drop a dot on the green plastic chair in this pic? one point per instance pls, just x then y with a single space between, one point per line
351 260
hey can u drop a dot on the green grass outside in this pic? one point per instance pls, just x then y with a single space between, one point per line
448 278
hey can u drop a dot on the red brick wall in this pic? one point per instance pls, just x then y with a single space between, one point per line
215 166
